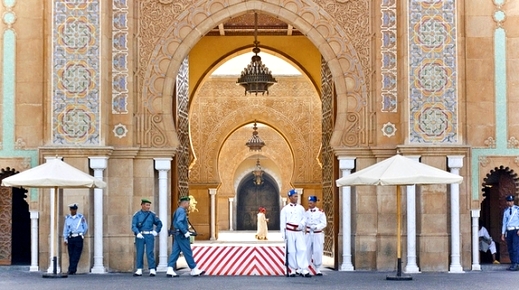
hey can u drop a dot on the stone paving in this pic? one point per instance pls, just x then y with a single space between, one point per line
18 278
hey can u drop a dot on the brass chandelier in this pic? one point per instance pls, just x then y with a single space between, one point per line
255 143
258 174
256 77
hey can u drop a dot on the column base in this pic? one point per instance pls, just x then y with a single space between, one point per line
347 268
456 269
98 270
34 269
51 270
411 269
162 267
476 267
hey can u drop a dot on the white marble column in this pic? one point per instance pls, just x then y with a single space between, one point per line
346 164
163 165
475 240
98 164
455 163
231 201
411 266
53 245
283 202
299 195
212 193
34 240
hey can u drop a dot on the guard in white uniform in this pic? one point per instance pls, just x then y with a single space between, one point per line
315 224
292 225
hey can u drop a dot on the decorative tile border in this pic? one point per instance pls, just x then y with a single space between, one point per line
9 147
76 72
119 57
389 55
433 94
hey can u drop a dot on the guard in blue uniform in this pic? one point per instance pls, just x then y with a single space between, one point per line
145 226
510 231
74 230
181 240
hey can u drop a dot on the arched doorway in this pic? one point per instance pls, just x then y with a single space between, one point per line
499 183
15 224
250 197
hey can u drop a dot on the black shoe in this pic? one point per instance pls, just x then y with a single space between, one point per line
71 273
291 275
319 274
307 275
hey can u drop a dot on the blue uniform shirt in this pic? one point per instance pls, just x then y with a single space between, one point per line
74 225
145 221
510 220
180 220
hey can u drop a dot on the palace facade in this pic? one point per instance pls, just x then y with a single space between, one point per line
125 91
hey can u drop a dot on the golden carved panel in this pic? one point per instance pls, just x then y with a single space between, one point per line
292 107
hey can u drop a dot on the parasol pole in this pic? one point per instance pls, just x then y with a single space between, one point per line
53 233
52 220
398 238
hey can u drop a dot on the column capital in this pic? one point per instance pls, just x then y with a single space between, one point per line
475 213
98 162
231 199
346 162
162 163
455 161
414 157
34 214
212 191
47 158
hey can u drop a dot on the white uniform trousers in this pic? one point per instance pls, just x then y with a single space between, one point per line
314 249
297 258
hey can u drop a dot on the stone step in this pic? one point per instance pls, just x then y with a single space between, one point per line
14 268
494 267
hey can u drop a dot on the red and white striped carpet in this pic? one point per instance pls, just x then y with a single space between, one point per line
241 260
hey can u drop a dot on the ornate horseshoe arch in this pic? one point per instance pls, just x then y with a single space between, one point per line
154 115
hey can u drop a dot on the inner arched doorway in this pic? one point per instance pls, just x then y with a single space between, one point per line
498 184
250 197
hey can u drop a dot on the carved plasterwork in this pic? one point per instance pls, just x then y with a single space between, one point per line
490 142
327 156
483 160
512 143
166 33
216 112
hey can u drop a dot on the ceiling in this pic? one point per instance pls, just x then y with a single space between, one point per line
244 25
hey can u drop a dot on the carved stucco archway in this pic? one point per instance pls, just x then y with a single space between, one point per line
313 21
238 119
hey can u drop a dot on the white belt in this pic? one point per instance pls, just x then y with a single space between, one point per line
147 233
76 235
512 228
